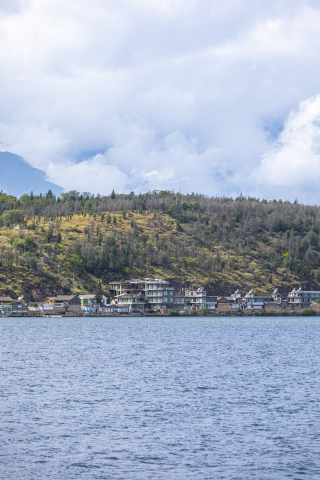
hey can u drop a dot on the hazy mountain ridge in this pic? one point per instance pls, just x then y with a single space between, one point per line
17 177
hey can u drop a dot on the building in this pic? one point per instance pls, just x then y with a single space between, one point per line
112 309
196 298
179 301
5 310
159 294
134 303
8 310
254 303
90 300
72 302
273 307
135 286
53 308
6 299
211 303
301 299
10 306
315 306
223 305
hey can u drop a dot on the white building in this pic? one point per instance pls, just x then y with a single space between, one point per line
303 298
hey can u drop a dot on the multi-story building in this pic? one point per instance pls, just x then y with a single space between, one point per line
252 302
134 302
159 294
196 298
134 286
211 302
301 299
257 302
179 301
199 299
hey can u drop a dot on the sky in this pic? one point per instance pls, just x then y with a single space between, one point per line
219 97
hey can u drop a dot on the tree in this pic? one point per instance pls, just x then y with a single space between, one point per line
75 263
317 276
99 293
33 263
13 217
113 195
49 235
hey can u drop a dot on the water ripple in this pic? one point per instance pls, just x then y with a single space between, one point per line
167 398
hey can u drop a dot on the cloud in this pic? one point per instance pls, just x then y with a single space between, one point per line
92 175
294 160
169 92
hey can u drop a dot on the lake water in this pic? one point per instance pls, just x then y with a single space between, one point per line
160 398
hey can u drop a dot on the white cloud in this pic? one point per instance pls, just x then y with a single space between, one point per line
92 175
167 91
294 160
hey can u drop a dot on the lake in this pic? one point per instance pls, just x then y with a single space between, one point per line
160 398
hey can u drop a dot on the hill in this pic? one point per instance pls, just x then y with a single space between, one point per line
17 177
191 240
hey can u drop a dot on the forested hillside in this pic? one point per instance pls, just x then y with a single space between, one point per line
192 240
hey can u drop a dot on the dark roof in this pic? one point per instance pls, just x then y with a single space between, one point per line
65 298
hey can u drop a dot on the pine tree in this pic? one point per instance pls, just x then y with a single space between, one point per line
113 195
99 293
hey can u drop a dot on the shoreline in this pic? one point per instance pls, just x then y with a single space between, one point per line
132 315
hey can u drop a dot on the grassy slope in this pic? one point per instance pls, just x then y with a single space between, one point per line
244 268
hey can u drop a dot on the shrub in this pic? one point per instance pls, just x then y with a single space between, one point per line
32 226
308 312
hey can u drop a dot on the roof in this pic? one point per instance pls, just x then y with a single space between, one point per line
89 296
6 299
63 298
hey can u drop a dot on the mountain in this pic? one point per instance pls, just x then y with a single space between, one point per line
192 240
17 177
